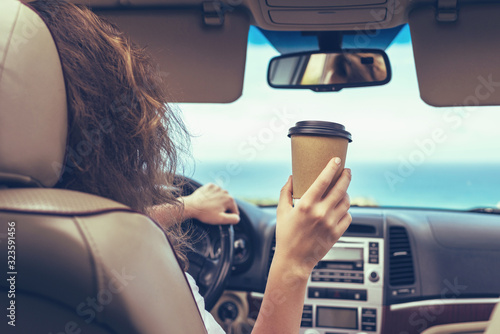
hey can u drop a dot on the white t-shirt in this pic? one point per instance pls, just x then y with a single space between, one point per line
210 324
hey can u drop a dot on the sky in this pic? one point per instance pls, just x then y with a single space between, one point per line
388 123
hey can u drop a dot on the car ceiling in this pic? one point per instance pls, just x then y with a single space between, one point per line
296 15
213 33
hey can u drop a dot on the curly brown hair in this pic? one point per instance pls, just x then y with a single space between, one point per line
121 129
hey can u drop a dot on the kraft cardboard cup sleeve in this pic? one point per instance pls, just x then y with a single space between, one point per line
314 144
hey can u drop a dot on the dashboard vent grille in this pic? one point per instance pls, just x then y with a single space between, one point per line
401 270
361 229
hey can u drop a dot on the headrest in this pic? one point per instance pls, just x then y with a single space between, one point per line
33 107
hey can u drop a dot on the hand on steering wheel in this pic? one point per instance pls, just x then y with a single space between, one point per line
211 274
212 205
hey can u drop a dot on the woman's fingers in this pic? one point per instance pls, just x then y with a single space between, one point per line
322 182
345 203
339 190
336 213
212 205
299 229
229 218
286 201
232 206
343 224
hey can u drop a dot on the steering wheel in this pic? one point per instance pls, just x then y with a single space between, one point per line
211 258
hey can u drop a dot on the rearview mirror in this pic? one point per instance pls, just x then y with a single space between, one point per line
330 71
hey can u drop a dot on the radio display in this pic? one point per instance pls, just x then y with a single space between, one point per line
342 258
332 317
346 254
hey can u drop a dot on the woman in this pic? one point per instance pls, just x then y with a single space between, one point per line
354 68
121 147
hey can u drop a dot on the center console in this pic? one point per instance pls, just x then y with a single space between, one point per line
344 292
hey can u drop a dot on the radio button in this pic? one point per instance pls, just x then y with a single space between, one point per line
369 328
373 253
307 316
369 312
358 294
306 323
374 276
317 293
337 294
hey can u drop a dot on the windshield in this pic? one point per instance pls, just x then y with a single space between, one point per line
404 152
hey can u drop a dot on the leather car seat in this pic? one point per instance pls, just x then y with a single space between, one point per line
79 263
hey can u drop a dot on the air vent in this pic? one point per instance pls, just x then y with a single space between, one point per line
271 254
361 229
400 258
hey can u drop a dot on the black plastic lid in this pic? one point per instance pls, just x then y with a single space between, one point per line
319 128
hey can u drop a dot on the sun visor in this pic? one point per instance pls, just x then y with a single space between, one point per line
198 62
456 54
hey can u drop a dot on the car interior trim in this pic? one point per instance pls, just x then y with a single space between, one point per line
432 302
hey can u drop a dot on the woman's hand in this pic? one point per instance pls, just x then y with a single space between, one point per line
306 232
212 205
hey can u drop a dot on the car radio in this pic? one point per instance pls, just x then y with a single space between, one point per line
344 291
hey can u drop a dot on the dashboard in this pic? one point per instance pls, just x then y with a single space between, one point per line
395 271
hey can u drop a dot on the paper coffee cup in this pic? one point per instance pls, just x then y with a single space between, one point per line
314 144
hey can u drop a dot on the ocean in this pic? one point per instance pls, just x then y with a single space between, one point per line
441 186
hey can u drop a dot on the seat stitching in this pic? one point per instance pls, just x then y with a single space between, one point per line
96 256
89 251
68 213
